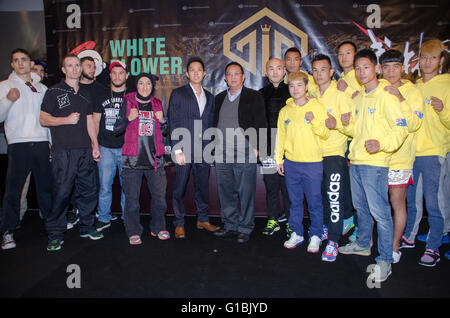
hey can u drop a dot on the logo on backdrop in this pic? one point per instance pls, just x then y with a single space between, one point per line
87 49
241 43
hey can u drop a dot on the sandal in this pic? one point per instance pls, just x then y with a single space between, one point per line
135 240
162 235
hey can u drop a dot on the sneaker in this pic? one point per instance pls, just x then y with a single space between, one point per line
114 217
102 225
405 243
314 244
73 217
352 238
380 272
294 241
447 255
325 233
271 227
282 218
54 245
430 258
8 241
347 225
331 252
396 256
353 248
95 235
135 240
288 230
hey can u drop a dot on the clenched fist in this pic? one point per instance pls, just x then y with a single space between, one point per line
73 118
133 114
13 94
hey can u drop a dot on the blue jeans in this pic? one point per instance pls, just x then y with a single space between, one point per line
305 179
430 169
369 185
111 159
236 183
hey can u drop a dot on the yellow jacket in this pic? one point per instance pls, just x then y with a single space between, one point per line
412 109
433 139
298 139
352 82
377 116
336 103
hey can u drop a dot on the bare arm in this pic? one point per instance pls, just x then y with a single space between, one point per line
48 120
92 131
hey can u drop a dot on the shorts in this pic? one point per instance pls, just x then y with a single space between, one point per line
400 178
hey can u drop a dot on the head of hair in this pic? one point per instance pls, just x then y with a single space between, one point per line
292 49
321 57
70 55
192 60
366 53
433 46
236 64
87 58
347 42
391 56
297 76
19 50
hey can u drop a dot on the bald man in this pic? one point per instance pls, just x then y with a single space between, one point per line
275 95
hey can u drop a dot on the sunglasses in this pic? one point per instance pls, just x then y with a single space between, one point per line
33 89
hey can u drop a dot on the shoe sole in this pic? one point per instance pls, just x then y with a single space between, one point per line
313 251
103 227
56 249
292 247
8 246
204 228
348 230
328 260
271 233
430 265
94 238
406 246
355 253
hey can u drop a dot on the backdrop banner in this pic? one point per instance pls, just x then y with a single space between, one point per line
159 36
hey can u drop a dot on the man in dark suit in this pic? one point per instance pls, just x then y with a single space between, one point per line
239 115
191 107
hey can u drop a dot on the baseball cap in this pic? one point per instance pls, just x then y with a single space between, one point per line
117 63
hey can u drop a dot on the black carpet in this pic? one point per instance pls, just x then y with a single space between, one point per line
202 266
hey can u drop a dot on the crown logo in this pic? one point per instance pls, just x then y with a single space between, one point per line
265 28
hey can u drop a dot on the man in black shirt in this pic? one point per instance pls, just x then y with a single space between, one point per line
67 110
106 112
275 95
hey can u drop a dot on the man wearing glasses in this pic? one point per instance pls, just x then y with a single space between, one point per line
28 142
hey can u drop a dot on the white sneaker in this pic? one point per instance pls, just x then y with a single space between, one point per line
294 241
314 244
396 256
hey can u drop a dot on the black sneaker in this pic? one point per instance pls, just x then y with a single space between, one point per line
282 218
95 235
114 217
405 243
73 217
271 227
430 258
102 225
54 245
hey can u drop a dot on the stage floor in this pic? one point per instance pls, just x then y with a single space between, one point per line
202 266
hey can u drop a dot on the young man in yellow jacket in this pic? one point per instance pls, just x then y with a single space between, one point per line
349 84
336 180
433 140
378 129
401 164
301 125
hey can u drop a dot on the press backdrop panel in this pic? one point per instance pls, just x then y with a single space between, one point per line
159 36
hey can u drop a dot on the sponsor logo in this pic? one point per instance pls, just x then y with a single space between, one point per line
63 101
333 196
400 122
241 43
418 114
372 110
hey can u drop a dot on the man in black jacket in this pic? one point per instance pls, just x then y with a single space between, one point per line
191 107
275 95
239 115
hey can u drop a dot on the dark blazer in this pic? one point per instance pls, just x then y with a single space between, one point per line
183 110
251 112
